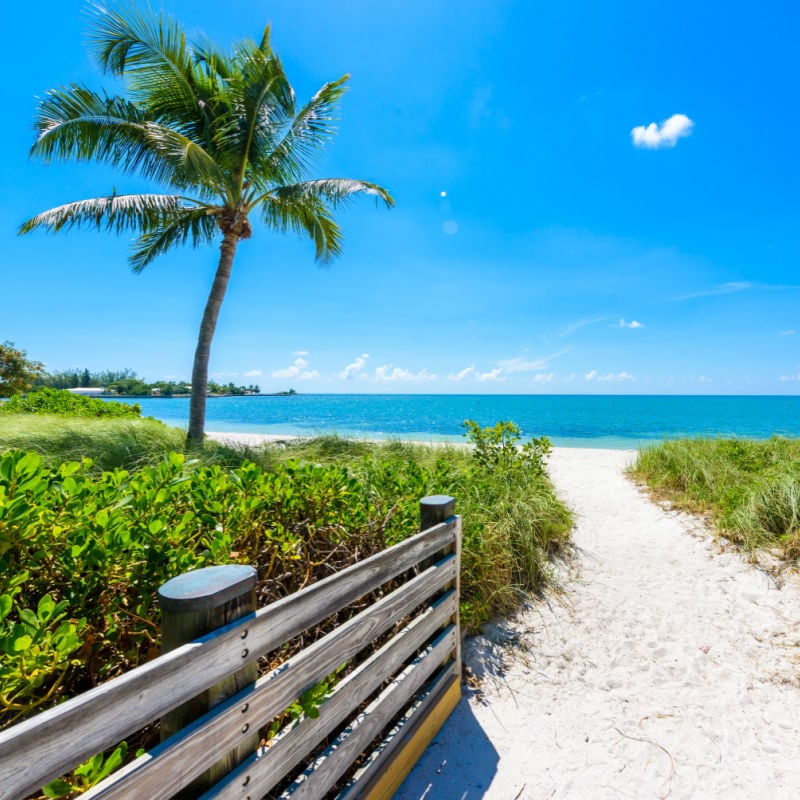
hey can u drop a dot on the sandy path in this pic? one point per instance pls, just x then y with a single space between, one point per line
671 669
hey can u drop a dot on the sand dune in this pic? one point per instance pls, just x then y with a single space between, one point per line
668 667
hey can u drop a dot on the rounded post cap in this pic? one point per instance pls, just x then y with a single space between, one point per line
437 500
207 587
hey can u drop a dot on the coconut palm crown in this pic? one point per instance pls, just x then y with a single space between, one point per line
220 130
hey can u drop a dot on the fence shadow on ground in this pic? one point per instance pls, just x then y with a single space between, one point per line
459 763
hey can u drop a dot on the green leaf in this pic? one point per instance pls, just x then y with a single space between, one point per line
57 788
22 643
6 604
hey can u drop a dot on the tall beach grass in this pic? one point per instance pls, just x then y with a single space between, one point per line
749 488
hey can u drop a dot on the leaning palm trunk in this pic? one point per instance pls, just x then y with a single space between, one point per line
202 354
220 130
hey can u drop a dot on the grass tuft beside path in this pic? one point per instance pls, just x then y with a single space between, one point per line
750 488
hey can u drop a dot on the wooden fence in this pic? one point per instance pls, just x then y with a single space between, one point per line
381 716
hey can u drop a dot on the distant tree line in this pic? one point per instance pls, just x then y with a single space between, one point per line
126 382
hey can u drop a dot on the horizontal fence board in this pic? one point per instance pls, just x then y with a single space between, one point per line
182 757
50 744
388 766
329 767
262 771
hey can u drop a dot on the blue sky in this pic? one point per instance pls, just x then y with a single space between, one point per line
591 198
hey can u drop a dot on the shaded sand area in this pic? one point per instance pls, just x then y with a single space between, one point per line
668 667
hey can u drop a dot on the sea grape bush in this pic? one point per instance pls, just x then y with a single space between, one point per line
82 556
66 404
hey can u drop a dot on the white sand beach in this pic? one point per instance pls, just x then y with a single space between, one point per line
668 668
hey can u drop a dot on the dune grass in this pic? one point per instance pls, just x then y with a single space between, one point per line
749 488
111 442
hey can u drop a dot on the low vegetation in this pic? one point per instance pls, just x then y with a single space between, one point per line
750 489
127 383
82 551
66 404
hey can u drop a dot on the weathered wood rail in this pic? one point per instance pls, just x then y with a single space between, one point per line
382 714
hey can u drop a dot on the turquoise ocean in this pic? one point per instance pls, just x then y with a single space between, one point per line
568 420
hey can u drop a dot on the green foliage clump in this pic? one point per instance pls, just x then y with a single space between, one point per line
17 371
82 554
750 488
67 404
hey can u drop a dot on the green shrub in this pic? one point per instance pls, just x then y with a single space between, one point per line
64 403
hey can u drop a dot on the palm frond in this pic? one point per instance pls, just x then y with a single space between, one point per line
260 105
116 213
307 215
193 225
150 50
75 122
312 127
332 190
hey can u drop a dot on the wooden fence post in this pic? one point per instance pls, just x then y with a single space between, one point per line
192 605
433 510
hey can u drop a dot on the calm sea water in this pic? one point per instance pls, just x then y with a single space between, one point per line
569 420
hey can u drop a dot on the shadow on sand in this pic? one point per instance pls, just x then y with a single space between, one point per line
459 763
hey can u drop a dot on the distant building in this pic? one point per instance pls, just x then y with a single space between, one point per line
155 392
88 391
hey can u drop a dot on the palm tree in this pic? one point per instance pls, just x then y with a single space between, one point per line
221 130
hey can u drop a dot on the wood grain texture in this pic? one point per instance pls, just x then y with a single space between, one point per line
50 744
382 775
334 762
187 754
261 772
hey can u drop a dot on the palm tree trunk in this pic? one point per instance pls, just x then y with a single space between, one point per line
197 404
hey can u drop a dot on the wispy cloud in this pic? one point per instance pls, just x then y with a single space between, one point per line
544 377
790 332
568 330
611 377
633 324
297 370
510 365
390 374
300 353
351 370
253 373
789 378
470 373
655 136
723 288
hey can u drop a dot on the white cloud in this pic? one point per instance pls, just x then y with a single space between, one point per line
654 137
544 377
510 365
464 374
351 370
492 375
470 372
568 330
790 332
297 370
389 374
253 373
300 353
610 378
724 288
789 378
705 379
633 324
